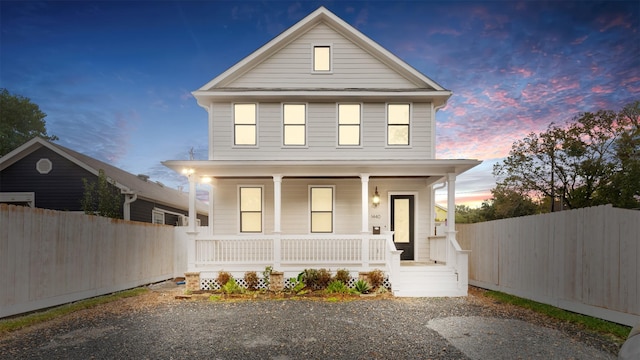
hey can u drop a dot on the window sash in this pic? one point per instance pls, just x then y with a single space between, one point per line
321 206
244 119
322 58
294 122
250 209
349 119
398 124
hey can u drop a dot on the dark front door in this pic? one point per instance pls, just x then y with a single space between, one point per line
402 217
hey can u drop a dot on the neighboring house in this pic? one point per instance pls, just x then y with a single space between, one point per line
46 175
322 153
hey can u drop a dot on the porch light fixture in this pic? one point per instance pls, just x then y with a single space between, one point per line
376 198
188 172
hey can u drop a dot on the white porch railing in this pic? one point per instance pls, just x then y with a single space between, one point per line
360 251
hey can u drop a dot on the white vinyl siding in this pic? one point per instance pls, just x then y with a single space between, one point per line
250 204
351 66
398 124
322 134
245 124
294 120
349 124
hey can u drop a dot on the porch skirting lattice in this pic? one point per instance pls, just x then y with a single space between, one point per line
213 285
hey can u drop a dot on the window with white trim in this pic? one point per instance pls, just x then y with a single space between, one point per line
250 209
349 124
398 124
157 217
244 123
295 124
322 58
321 205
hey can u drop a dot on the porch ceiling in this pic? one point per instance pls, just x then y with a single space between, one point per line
434 168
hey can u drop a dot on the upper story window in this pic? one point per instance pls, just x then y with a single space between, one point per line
398 124
349 124
250 209
322 58
294 122
244 123
321 203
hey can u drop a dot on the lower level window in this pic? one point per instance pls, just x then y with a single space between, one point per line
251 209
321 199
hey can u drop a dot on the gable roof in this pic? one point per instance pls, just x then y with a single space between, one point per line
322 15
126 182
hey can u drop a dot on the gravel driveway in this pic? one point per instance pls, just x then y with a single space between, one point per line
157 326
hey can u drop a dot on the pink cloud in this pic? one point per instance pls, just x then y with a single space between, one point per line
598 89
609 22
580 40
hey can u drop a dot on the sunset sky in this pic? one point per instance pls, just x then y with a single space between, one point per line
115 77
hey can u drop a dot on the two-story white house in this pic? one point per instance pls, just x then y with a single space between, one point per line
322 154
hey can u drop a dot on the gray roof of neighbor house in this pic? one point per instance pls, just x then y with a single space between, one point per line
127 182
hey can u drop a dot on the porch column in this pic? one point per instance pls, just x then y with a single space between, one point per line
451 218
277 202
192 202
451 202
365 202
277 220
211 206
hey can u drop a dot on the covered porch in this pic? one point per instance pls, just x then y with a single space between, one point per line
362 239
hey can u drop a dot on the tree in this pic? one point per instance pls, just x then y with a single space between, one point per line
590 161
507 203
102 197
20 121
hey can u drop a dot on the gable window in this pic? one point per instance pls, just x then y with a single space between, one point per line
349 124
244 122
250 209
322 58
397 124
294 120
321 201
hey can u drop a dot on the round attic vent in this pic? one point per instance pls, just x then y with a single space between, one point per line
44 166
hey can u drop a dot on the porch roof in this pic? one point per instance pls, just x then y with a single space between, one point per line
434 169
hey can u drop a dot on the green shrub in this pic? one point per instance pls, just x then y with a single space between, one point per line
309 277
266 275
342 275
362 287
223 278
296 285
324 278
251 278
337 287
376 277
231 287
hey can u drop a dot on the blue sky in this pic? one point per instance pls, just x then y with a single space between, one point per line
115 77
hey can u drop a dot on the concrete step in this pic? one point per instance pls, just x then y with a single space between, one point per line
426 281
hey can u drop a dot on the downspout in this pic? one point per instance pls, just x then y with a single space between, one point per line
129 197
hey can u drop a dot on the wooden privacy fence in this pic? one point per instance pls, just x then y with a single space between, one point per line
585 260
50 257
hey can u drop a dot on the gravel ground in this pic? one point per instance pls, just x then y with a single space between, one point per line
158 326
